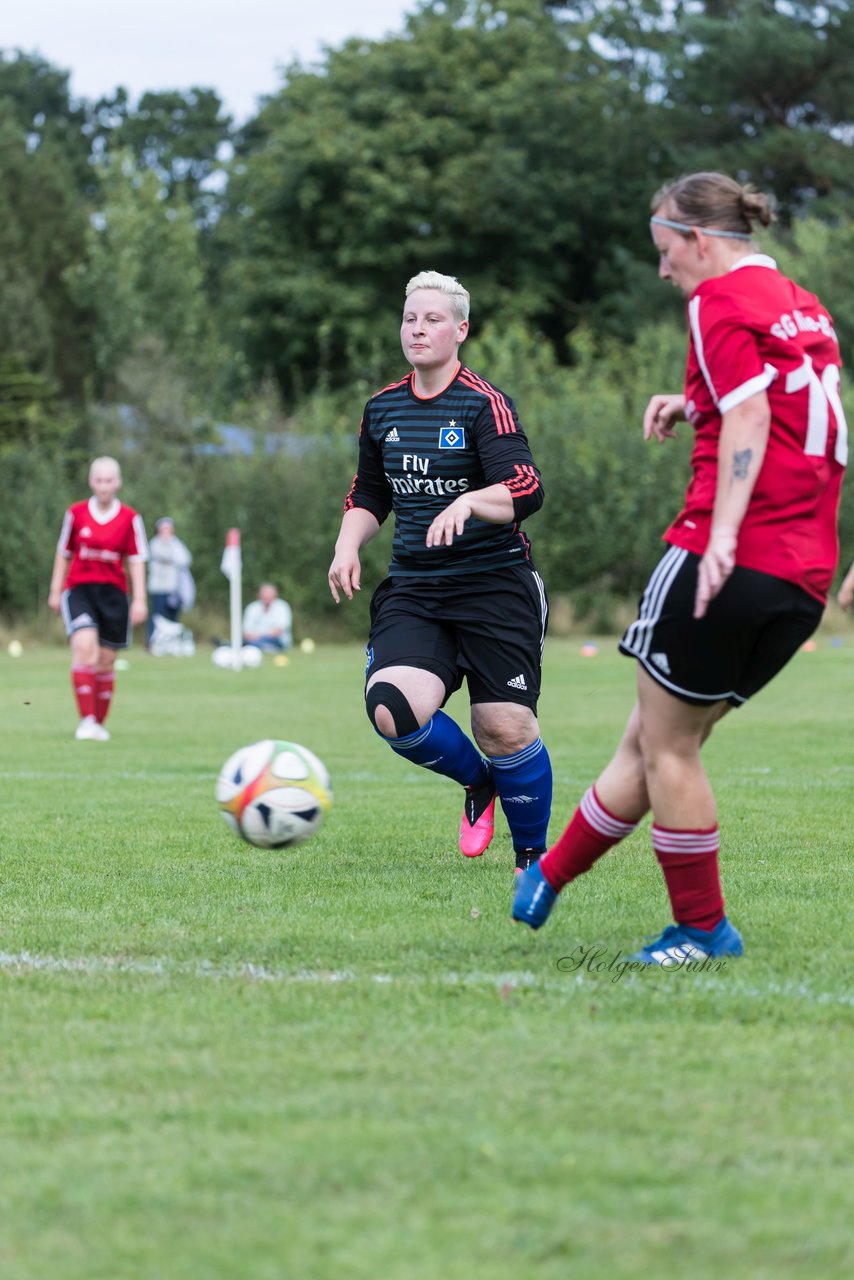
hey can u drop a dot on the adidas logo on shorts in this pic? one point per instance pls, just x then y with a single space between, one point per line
392 437
518 682
660 660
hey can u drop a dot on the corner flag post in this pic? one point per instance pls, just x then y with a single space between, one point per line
232 567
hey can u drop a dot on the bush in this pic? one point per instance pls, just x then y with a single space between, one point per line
609 495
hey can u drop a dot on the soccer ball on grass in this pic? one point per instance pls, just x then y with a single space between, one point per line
274 794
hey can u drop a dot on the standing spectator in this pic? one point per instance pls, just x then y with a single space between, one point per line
168 570
89 587
751 558
268 621
444 450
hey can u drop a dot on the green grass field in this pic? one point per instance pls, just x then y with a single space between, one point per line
344 1062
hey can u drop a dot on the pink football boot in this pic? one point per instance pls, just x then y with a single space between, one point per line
478 821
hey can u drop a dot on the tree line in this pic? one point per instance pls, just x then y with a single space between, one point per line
164 272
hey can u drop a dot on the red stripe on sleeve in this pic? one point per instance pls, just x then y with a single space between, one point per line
500 408
523 482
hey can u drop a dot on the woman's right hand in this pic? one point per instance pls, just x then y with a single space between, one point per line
661 414
345 572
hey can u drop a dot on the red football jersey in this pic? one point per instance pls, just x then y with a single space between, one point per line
754 330
98 542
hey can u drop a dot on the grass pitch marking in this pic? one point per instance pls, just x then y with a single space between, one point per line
27 962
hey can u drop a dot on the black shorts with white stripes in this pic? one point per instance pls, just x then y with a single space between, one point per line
99 605
487 628
749 633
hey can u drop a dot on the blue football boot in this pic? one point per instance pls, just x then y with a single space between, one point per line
534 897
680 943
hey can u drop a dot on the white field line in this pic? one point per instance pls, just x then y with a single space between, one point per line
26 962
365 776
123 775
191 775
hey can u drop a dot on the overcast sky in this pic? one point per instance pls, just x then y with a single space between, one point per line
233 46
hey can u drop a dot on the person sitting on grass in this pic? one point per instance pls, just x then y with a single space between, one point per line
268 620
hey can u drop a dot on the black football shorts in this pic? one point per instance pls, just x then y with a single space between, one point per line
749 633
99 605
486 628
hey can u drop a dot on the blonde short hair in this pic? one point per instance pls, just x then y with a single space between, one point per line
107 463
449 285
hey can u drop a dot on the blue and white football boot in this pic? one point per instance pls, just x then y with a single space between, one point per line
534 897
679 943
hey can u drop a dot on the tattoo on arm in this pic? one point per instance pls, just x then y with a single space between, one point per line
741 460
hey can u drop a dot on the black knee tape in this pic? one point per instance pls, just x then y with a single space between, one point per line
383 694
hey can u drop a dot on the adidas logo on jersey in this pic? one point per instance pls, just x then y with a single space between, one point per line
660 660
392 437
518 682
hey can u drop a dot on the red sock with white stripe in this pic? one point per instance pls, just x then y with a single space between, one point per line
83 682
592 831
105 683
689 860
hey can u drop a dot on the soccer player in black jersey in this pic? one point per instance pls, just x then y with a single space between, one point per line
443 449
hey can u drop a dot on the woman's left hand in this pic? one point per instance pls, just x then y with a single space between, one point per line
449 523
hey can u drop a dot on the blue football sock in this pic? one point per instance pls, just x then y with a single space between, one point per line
524 785
442 746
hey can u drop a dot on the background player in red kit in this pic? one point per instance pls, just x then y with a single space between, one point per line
445 451
89 587
750 558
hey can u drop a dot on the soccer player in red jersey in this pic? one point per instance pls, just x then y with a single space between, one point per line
444 450
89 588
750 558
